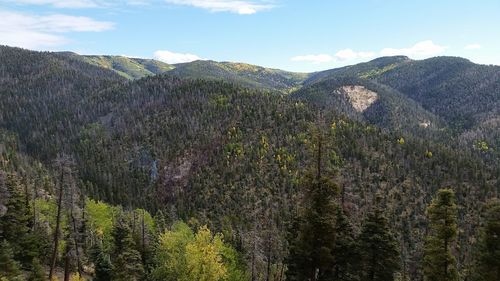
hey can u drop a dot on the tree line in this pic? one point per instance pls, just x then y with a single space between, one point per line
87 239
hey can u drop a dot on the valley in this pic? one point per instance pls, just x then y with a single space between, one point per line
134 169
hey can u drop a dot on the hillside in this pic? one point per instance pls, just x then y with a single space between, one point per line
46 94
461 96
454 88
371 102
363 70
130 160
130 68
239 73
242 74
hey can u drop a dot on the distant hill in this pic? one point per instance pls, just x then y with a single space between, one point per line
372 102
238 73
365 70
450 98
462 97
242 74
130 68
454 88
49 91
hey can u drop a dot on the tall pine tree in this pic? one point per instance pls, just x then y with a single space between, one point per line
102 263
345 249
313 242
378 249
439 262
127 261
9 268
488 256
15 224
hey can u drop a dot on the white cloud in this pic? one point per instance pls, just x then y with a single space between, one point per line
348 54
34 32
234 6
342 55
420 50
64 23
316 59
171 57
31 39
472 47
79 4
60 3
138 2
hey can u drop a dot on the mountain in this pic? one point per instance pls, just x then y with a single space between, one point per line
130 68
222 153
461 99
239 73
371 102
454 88
363 70
46 94
242 74
464 94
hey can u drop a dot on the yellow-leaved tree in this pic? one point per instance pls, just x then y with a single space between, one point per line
204 257
182 255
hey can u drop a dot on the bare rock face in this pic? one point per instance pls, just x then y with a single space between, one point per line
425 124
360 97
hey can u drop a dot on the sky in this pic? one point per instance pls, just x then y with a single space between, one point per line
294 35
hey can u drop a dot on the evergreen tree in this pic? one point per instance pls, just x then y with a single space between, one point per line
312 247
15 224
488 258
102 264
378 249
345 249
9 268
439 262
37 272
127 262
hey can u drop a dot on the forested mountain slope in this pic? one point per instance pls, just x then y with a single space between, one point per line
242 74
371 102
130 68
464 94
463 97
453 88
45 95
362 70
213 153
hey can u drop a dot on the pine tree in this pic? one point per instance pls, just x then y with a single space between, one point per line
439 262
37 272
488 258
345 249
378 249
127 262
312 246
14 225
102 264
9 268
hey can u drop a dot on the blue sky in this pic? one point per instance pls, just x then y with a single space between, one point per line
297 35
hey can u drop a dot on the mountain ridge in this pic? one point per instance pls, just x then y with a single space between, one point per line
456 96
217 153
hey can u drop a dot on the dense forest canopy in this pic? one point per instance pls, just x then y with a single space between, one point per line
225 171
